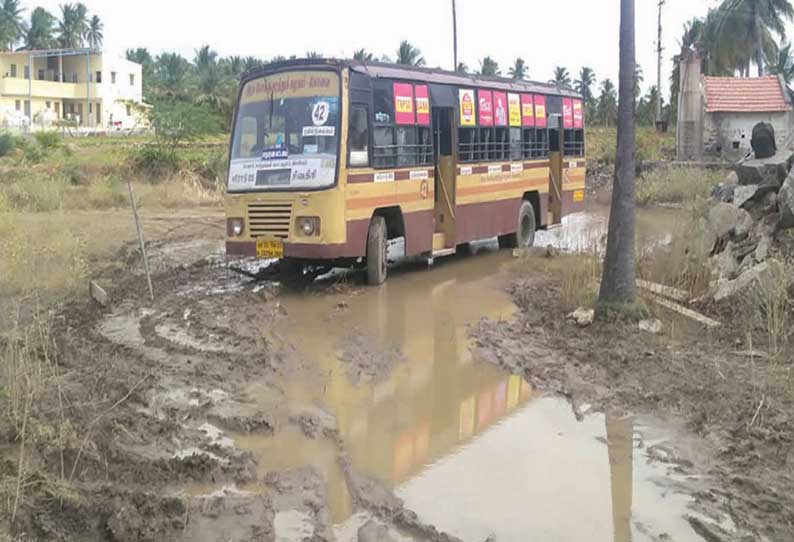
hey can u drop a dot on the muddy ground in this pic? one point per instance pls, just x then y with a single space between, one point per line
233 410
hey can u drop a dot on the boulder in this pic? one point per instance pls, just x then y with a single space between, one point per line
373 531
583 317
726 289
724 264
744 225
762 250
768 171
723 218
785 203
763 140
651 326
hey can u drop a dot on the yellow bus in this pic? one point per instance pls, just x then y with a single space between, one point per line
331 159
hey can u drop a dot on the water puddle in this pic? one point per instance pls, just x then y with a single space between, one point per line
471 450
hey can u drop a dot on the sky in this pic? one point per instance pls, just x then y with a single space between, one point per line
570 33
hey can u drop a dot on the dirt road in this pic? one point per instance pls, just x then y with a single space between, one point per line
230 410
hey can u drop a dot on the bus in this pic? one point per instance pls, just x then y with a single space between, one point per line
329 160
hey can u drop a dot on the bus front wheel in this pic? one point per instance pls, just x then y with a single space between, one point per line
525 234
376 251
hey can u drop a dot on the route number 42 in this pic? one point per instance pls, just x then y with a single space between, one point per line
320 113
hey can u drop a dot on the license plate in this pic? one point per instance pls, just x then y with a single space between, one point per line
578 196
268 248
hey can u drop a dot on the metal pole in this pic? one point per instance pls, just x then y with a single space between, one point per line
140 240
87 86
659 66
454 36
30 91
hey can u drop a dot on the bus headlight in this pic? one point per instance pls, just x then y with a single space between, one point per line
308 226
235 227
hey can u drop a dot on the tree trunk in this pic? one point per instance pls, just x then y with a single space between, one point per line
759 40
617 284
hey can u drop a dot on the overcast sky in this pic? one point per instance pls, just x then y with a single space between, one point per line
572 33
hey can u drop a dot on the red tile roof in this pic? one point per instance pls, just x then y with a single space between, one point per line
744 95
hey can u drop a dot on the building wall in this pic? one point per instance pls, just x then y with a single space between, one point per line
728 135
64 85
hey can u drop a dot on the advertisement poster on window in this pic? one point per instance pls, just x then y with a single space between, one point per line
485 102
527 110
404 103
578 114
422 105
500 108
540 111
514 109
567 113
467 107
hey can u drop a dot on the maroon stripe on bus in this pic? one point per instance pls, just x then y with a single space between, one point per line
535 165
361 178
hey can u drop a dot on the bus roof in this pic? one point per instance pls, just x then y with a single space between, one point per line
426 75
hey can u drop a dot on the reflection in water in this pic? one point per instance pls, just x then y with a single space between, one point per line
467 447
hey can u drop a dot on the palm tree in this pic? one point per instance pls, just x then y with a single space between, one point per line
409 55
617 289
204 57
313 54
488 66
72 25
518 70
362 55
94 34
233 65
751 22
584 85
562 77
39 34
783 63
607 103
12 26
639 78
250 63
462 68
171 72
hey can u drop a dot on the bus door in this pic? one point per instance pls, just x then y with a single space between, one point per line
555 169
446 169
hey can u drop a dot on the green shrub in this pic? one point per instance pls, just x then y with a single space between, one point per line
8 142
73 173
154 161
105 192
676 185
32 152
48 140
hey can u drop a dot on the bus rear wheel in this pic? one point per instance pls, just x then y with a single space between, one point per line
525 234
376 251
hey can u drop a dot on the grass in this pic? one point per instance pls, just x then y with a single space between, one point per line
602 142
676 185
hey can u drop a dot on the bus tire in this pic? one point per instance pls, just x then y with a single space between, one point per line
525 232
376 251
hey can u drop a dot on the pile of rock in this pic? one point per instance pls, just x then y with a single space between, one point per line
752 205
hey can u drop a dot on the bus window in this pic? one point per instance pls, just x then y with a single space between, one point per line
486 145
247 140
467 140
425 146
358 136
385 155
515 144
501 146
406 146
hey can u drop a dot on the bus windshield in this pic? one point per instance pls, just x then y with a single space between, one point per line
286 132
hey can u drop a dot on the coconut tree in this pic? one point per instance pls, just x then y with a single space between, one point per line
518 70
362 55
233 65
72 25
94 35
409 55
584 84
751 22
204 57
607 103
12 25
171 72
618 290
489 66
783 63
562 77
313 54
462 68
250 63
40 32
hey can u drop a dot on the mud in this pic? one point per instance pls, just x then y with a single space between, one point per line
453 403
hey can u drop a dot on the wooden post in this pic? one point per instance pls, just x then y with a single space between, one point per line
140 240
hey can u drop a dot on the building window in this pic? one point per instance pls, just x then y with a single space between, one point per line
41 75
48 104
18 105
74 78
129 110
13 70
113 77
132 79
27 72
58 109
90 107
98 76
358 136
